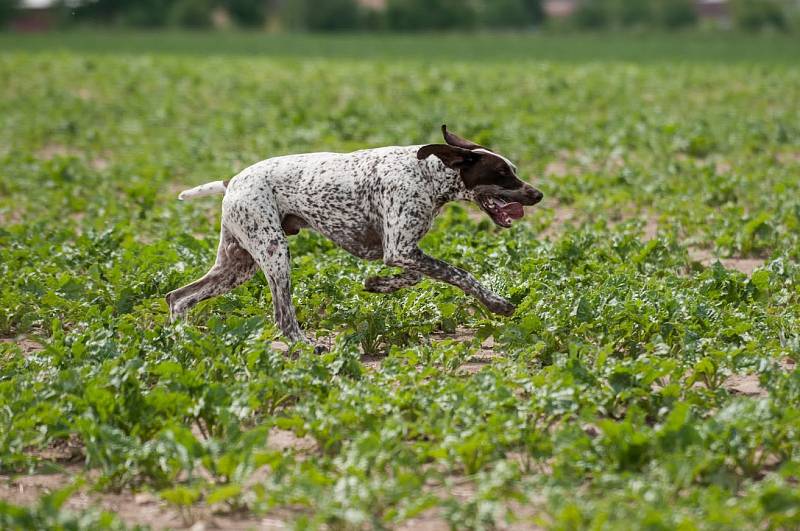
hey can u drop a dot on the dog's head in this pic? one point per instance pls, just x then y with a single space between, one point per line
490 179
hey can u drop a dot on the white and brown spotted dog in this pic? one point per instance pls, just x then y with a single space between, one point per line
375 203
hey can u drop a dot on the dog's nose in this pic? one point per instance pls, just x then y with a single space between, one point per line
535 196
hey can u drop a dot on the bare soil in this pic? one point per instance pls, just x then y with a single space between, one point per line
747 385
25 344
483 357
743 265
287 440
52 150
788 158
563 215
142 508
10 217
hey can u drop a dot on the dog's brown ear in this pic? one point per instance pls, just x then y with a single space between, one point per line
453 157
455 140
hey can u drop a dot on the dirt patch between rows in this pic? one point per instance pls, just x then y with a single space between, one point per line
26 344
54 150
743 265
141 508
481 358
563 216
788 158
145 508
9 216
286 440
582 162
747 385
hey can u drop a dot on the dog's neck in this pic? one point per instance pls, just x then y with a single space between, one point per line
447 184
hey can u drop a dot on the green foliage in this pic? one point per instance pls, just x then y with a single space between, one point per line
246 13
140 13
754 15
7 9
668 14
412 15
323 15
676 14
632 13
511 14
191 13
607 403
154 13
642 49
592 15
331 15
426 15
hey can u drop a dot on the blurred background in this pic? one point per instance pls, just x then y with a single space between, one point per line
404 15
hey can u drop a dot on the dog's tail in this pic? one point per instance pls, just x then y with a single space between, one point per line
212 188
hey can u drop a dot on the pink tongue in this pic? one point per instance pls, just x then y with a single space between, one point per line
513 210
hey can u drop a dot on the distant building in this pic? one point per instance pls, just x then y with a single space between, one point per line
559 8
35 15
714 10
711 10
377 5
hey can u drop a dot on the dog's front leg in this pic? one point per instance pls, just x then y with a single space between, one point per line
416 261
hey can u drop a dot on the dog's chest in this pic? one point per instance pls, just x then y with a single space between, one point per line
354 226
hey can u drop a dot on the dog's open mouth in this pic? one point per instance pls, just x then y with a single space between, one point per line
501 211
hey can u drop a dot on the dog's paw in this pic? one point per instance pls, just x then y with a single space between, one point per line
175 313
379 285
502 307
372 284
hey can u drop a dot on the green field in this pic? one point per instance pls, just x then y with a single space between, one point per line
480 47
648 379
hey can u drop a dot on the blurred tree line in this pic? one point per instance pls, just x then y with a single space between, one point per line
751 15
300 15
411 15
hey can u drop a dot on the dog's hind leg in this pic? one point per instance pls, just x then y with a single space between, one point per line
233 266
393 283
273 258
258 227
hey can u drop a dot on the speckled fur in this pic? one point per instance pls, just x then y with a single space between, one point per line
375 203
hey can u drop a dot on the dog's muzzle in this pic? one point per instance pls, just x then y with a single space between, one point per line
507 206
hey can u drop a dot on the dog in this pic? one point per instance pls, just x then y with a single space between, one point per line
376 204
